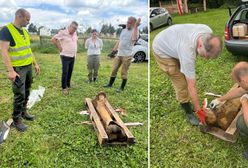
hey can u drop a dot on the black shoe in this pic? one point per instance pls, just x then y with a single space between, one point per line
94 79
119 90
111 82
123 84
192 119
190 114
18 124
27 116
245 154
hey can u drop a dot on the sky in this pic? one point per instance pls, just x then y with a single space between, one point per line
88 13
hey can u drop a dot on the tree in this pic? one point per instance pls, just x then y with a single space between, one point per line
111 29
88 31
32 28
107 29
104 29
204 5
186 10
118 31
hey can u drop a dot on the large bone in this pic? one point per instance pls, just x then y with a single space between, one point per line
112 128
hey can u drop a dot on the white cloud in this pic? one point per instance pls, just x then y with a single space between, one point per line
87 12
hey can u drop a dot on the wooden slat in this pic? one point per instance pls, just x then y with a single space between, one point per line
120 122
101 133
219 133
232 128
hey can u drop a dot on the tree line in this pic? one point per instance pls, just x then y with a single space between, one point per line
105 29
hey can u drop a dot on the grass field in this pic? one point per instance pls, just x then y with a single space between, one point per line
174 142
55 139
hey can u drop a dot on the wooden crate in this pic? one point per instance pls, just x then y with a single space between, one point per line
99 128
229 135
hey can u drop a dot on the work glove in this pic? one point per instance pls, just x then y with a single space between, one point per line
214 104
245 96
202 116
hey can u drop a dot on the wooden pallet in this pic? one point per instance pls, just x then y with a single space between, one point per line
99 128
229 135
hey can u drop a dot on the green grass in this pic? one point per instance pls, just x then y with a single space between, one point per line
54 139
174 142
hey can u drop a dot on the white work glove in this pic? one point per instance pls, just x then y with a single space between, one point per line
214 104
245 96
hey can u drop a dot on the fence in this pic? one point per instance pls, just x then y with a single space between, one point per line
43 44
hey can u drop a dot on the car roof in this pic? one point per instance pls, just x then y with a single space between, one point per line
155 8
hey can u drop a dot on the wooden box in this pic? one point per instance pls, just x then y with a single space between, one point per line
102 135
239 30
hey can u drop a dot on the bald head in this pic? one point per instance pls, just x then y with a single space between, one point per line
22 18
130 22
240 71
212 45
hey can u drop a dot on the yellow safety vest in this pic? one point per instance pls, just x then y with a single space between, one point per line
20 54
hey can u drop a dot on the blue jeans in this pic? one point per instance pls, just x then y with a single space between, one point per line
67 68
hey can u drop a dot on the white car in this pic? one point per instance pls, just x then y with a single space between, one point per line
140 49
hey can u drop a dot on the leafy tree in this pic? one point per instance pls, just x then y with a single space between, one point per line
32 28
88 31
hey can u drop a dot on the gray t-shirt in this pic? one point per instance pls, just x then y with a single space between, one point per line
125 43
180 42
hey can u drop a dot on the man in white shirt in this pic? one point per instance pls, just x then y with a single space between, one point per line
175 50
128 37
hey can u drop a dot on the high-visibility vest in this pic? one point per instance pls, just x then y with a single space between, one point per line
20 54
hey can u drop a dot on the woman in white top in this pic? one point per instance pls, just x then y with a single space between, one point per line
94 46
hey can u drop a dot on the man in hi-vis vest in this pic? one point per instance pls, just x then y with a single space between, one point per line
18 59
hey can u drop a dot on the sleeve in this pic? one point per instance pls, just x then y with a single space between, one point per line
101 44
87 43
59 36
187 59
5 34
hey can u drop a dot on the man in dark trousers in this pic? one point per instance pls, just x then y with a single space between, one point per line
66 42
18 59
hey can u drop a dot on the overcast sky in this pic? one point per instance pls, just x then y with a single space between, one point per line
58 13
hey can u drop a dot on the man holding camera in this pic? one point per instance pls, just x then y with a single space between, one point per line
18 59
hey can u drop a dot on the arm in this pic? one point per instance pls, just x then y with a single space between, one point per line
86 45
232 94
135 34
193 93
101 44
4 45
36 66
244 103
116 46
56 42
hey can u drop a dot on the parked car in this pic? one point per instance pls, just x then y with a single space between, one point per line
236 45
158 17
140 49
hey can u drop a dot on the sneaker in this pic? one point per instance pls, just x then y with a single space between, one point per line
65 92
17 123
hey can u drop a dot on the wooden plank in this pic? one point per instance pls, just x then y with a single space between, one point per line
130 136
219 133
232 128
101 133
